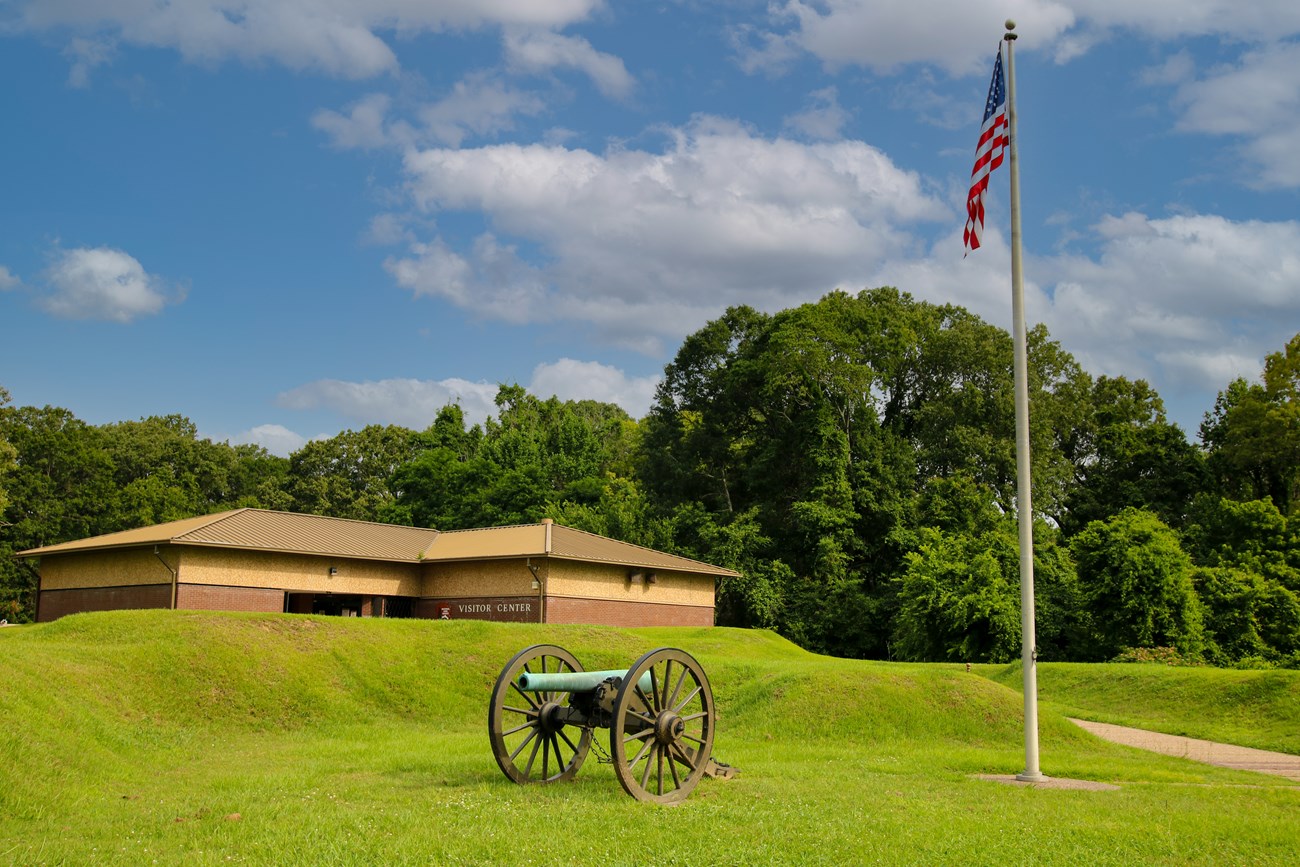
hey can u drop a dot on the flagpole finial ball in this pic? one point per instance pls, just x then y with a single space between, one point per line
1011 25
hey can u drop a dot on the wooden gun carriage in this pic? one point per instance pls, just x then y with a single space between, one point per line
660 715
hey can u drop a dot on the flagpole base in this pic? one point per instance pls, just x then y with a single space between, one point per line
1028 777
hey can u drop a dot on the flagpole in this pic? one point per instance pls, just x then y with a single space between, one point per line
1024 505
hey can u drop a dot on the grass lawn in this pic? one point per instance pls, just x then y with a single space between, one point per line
1259 709
203 738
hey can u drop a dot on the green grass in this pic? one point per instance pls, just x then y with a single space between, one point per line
1258 709
185 738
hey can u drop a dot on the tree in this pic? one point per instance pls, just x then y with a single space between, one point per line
959 599
8 457
1127 454
1136 582
1253 433
349 475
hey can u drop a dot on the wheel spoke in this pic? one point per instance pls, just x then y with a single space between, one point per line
645 776
528 698
687 700
519 749
683 757
571 744
528 770
528 725
672 702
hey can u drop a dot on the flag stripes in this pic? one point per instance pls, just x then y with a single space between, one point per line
994 140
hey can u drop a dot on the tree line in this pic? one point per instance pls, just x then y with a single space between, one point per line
853 458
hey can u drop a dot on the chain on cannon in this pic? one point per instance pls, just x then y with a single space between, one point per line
660 715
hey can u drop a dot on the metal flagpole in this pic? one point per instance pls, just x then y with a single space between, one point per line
1024 505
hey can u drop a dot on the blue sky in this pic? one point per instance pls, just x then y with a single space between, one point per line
284 218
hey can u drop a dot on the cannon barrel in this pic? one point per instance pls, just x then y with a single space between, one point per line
573 681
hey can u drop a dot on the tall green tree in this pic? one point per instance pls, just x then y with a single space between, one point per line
1127 454
350 475
822 422
1253 433
8 457
1136 581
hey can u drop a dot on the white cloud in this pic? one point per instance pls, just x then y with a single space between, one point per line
276 439
645 244
539 51
362 127
1258 99
947 33
822 118
101 283
1189 301
414 403
478 105
885 36
568 379
337 37
8 280
86 54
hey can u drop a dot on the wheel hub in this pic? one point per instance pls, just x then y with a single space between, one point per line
669 727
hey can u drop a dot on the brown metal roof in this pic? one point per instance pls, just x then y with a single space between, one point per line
262 530
531 540
290 532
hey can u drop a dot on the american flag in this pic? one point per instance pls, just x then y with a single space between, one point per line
988 155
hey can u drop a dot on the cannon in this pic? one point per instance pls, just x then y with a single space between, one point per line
660 715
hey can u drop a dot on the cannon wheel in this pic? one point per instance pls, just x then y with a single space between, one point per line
661 740
529 740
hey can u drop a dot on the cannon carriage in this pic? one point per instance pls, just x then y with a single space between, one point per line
660 715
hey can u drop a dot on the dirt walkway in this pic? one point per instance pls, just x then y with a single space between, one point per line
1224 755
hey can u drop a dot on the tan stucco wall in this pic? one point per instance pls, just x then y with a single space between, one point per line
297 572
106 569
609 581
480 578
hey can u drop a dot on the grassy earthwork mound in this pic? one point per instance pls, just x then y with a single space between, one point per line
205 738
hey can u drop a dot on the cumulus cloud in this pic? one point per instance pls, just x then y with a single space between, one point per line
822 118
276 439
8 280
1258 100
539 51
569 379
884 36
364 125
337 37
1191 301
101 283
478 105
414 403
1195 294
637 242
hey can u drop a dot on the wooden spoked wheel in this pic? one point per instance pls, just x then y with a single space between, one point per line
530 740
661 739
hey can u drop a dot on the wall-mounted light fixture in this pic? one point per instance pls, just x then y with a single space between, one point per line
637 576
334 570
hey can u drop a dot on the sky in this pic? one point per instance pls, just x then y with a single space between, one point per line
287 218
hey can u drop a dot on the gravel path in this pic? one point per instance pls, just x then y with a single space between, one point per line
1224 755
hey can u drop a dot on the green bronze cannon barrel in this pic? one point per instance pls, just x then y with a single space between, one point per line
573 681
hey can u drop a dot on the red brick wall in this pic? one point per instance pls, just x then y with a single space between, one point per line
615 612
213 597
58 603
